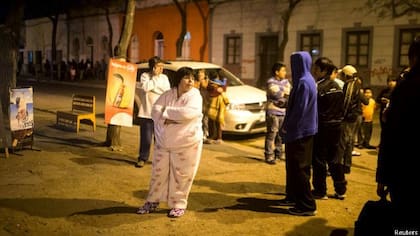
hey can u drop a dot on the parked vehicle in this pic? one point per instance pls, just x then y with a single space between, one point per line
246 112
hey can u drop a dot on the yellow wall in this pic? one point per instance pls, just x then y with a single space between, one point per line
167 20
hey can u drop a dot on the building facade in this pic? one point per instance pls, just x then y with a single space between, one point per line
246 36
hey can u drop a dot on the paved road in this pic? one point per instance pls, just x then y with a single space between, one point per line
75 186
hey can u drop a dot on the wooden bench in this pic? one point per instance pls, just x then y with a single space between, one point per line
82 109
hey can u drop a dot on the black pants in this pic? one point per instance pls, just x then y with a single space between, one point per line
298 173
325 157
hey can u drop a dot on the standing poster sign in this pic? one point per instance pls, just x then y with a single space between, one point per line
21 115
120 92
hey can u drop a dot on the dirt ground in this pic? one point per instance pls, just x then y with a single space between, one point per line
70 184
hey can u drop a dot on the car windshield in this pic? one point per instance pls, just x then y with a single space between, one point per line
231 78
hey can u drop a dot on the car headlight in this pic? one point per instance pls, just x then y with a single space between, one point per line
238 107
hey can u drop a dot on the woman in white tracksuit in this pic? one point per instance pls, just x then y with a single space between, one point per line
177 118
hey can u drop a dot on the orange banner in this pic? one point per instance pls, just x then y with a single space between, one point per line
120 92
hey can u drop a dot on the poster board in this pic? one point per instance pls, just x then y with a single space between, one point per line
120 91
21 116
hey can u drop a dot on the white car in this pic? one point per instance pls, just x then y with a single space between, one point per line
246 112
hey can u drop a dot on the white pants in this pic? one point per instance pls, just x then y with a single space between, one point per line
173 172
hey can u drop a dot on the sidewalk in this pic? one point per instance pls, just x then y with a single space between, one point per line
75 186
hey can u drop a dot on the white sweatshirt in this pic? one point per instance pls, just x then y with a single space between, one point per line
186 111
149 90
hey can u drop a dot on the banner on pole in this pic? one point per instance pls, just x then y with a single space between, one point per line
120 93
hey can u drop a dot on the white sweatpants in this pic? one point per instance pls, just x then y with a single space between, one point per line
173 173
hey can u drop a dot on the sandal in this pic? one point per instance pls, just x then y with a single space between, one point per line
148 207
176 212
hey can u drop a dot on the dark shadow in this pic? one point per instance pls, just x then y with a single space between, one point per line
241 159
258 205
93 160
240 187
90 212
317 226
245 137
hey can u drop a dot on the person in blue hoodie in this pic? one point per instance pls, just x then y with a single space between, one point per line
298 130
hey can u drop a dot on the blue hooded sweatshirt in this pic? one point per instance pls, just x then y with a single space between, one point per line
301 118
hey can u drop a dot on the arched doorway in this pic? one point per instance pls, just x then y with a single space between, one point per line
159 44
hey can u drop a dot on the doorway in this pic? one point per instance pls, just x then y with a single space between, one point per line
267 55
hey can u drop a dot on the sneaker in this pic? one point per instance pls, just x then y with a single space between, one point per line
355 153
176 212
270 162
207 141
280 157
148 207
140 164
218 141
319 196
370 147
339 196
297 212
286 202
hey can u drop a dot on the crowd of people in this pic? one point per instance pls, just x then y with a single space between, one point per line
74 70
316 117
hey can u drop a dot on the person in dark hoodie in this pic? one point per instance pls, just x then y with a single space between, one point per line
398 158
298 130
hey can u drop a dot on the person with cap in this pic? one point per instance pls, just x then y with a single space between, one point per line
151 85
217 106
353 99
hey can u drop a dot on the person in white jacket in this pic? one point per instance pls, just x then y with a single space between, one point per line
177 116
151 85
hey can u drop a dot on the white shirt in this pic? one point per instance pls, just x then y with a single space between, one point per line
149 90
186 111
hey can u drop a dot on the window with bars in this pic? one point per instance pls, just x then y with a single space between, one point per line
311 42
357 51
406 37
233 50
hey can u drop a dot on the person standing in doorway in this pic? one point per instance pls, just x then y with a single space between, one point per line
298 130
151 85
278 90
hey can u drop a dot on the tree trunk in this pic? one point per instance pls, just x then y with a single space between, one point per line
204 19
9 45
183 12
113 132
54 20
110 31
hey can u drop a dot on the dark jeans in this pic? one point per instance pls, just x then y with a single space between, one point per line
273 143
146 135
215 129
346 143
298 173
365 134
325 156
